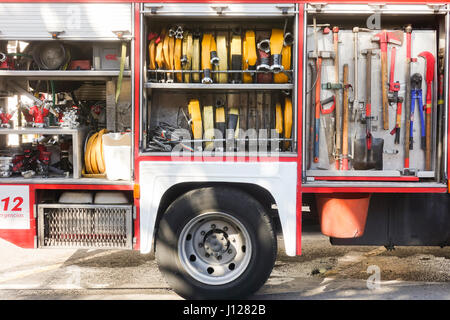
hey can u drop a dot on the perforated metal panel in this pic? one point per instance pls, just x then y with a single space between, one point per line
85 226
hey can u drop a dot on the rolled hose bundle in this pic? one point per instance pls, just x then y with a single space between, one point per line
93 154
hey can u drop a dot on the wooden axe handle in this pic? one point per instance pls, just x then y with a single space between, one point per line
384 80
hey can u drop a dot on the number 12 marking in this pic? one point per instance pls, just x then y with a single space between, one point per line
18 202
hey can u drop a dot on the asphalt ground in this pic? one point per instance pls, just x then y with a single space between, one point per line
322 272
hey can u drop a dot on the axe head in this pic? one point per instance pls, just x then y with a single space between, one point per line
430 65
394 37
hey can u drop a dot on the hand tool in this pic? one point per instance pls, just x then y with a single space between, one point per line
236 57
429 80
222 54
276 46
338 142
249 56
408 31
385 37
196 57
344 165
310 113
356 31
394 88
368 151
416 94
320 55
186 61
206 58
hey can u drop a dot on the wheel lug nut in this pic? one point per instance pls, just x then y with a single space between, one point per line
202 233
230 251
200 245
219 258
225 228
213 226
207 255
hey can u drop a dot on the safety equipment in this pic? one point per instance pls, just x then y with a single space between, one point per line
177 59
196 56
276 46
186 60
196 118
249 56
416 95
222 53
206 58
287 121
236 57
282 77
208 124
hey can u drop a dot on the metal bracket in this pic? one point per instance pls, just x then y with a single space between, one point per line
121 33
55 34
436 7
153 9
219 9
318 6
284 9
377 6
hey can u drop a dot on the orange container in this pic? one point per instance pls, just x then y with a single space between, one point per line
343 215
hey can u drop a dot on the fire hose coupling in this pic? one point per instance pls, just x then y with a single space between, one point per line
264 45
288 39
3 57
207 76
214 58
172 32
183 60
276 67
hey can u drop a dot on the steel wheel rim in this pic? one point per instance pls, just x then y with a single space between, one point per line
214 248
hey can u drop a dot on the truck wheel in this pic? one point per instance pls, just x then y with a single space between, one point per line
215 243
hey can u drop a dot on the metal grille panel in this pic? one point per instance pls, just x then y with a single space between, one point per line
85 226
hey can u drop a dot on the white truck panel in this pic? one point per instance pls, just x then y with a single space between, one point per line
279 178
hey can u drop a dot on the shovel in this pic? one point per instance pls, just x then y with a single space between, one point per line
369 150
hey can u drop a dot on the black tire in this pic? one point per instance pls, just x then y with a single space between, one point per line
235 203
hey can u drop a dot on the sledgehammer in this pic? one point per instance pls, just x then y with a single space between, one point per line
385 37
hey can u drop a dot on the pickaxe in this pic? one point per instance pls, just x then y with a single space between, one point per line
385 37
429 79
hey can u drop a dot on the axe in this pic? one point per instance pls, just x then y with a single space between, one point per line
429 58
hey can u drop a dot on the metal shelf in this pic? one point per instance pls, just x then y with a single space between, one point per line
77 141
220 86
63 75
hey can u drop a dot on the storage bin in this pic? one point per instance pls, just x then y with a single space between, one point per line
117 154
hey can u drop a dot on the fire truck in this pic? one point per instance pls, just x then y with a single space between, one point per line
199 130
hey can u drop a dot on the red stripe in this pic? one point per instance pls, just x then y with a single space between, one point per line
368 178
372 190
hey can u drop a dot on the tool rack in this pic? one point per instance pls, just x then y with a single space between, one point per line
429 33
161 101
